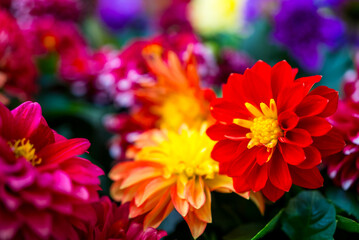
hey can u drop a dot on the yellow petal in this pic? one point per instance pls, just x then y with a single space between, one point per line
273 107
243 123
220 182
252 109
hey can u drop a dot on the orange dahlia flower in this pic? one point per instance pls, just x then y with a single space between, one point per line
272 130
176 97
172 170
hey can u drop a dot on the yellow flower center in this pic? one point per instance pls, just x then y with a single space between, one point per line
187 154
178 109
23 148
264 127
264 131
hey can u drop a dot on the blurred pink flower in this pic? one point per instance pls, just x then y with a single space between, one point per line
17 70
343 167
46 190
113 223
61 9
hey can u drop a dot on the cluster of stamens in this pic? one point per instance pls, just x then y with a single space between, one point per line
23 148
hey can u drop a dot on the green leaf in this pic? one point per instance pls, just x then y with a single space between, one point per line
309 216
346 201
347 224
269 227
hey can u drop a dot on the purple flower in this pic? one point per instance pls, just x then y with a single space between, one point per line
117 14
302 29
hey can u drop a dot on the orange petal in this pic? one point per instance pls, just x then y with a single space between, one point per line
258 200
204 213
116 192
196 226
140 174
181 186
146 206
195 192
181 205
160 212
152 188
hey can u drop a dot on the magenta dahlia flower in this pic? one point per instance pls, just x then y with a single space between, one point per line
46 190
113 223
343 167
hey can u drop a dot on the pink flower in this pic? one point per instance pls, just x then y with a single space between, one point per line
113 223
46 189
343 167
17 70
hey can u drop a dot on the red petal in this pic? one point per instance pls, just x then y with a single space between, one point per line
307 178
279 173
240 184
330 143
225 111
232 131
292 154
232 91
271 192
316 126
258 177
60 151
311 105
329 94
282 78
27 118
298 137
262 155
313 158
298 91
7 127
257 89
226 150
243 163
288 120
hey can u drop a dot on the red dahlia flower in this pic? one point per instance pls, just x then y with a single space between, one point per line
272 130
46 190
113 223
